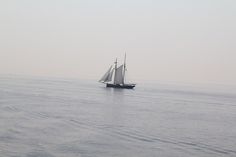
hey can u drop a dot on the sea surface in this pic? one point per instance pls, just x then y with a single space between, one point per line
42 117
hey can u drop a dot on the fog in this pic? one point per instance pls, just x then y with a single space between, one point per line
185 41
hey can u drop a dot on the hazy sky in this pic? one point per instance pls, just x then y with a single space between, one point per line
192 41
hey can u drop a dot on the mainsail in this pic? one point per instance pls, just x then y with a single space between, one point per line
119 77
107 76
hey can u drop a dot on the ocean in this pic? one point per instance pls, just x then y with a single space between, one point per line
41 117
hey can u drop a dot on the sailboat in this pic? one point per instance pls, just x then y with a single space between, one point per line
118 80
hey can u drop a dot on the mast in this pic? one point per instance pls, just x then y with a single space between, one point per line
124 69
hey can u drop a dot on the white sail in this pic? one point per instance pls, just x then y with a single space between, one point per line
119 78
106 76
109 78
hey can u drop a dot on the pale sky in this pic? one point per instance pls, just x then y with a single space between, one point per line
188 41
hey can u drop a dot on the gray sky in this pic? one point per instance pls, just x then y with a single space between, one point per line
188 41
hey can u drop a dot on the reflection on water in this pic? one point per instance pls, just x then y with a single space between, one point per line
48 118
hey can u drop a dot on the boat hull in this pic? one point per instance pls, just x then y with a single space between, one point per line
125 86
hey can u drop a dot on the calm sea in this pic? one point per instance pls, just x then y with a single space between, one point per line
74 118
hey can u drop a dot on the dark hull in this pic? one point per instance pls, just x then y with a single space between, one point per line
126 86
